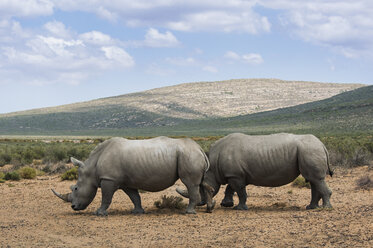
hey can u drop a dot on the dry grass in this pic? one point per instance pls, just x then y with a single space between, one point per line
170 202
364 182
300 182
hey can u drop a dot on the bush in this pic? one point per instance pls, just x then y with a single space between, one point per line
14 175
349 151
171 202
300 182
71 174
27 172
364 183
5 158
2 175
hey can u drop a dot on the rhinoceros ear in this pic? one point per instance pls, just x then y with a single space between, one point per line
76 162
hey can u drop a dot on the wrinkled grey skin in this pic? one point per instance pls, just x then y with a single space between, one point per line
151 165
265 160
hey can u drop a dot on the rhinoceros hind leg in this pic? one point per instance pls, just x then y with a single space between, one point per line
134 195
228 198
107 189
194 198
326 194
315 197
323 191
240 187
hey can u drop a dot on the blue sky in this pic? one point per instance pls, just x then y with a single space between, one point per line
55 52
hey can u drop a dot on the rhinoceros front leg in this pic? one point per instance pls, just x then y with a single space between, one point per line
134 195
107 189
240 187
228 198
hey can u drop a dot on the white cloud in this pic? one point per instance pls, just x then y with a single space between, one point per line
210 68
232 55
44 59
96 37
343 26
181 61
11 8
222 21
192 15
118 55
154 38
60 46
250 58
57 29
253 58
106 14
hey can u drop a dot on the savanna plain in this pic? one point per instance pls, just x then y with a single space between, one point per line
31 216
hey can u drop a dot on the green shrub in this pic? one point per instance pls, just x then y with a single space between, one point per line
27 172
349 151
40 173
2 175
27 156
59 153
171 202
5 158
300 182
71 174
14 175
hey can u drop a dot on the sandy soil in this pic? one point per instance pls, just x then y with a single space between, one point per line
31 216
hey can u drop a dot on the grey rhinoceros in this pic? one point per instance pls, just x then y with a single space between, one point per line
151 165
265 160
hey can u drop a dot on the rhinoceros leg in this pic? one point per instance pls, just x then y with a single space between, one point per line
194 198
240 187
228 198
325 192
134 195
315 197
107 189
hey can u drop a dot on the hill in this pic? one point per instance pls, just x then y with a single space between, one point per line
170 106
349 112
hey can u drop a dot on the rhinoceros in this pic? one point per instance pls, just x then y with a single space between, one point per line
151 165
265 160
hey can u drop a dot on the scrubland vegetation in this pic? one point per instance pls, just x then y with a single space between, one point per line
51 156
170 202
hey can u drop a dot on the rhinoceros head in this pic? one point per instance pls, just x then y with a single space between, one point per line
84 191
209 188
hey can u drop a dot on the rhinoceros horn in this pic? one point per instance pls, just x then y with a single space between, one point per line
182 192
77 162
65 197
208 192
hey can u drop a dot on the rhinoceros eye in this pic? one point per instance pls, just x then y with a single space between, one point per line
75 188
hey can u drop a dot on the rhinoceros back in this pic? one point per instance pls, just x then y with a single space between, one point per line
150 165
263 160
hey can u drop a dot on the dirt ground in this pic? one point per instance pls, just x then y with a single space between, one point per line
31 216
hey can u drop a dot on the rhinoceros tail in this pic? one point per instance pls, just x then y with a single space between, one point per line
205 154
331 172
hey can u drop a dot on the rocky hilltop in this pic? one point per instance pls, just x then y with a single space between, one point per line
210 99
